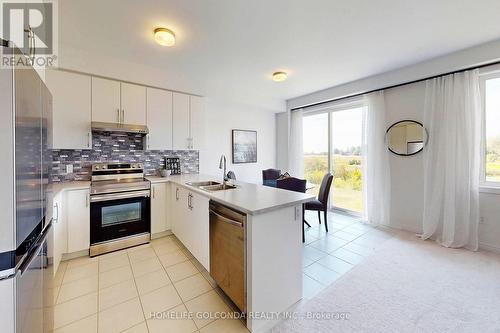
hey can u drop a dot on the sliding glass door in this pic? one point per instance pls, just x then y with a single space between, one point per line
346 160
332 143
315 134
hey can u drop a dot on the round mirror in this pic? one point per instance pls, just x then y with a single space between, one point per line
406 137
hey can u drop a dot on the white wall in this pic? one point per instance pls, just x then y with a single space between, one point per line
224 116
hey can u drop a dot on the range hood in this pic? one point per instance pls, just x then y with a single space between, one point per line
119 128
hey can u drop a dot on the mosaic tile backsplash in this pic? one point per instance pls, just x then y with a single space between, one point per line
113 147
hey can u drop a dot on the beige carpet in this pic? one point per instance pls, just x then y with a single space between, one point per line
410 285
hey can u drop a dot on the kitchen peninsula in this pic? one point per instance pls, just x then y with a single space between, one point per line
273 237
273 233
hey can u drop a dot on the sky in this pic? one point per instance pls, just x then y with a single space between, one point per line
346 130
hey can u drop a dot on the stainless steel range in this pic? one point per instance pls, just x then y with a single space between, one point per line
119 207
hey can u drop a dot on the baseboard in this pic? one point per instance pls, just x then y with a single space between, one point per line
73 255
161 234
489 248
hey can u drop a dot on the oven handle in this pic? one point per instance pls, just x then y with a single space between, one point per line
117 196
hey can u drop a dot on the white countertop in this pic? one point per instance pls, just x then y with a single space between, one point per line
249 198
72 185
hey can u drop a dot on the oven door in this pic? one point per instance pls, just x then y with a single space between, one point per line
118 215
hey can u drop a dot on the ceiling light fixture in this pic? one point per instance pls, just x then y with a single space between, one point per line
164 37
279 76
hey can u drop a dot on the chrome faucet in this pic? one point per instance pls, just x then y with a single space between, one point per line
222 165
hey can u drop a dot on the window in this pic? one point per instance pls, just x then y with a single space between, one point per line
332 143
315 133
490 86
346 159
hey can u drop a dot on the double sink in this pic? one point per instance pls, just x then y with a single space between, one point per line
211 186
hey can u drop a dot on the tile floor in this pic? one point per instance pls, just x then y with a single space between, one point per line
122 291
327 256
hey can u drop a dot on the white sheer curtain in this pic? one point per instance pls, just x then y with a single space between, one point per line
452 117
376 175
296 145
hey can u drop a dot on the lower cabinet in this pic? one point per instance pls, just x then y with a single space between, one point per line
78 217
60 231
199 222
190 222
159 208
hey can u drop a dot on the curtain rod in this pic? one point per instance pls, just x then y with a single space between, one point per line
395 85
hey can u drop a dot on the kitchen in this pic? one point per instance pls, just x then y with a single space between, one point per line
109 142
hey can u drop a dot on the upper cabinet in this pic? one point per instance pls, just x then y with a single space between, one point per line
118 102
159 119
71 96
188 121
175 120
106 101
197 122
133 104
181 126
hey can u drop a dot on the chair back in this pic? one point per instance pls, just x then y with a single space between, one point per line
292 184
270 174
324 190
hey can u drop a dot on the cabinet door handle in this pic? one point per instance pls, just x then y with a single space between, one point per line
87 199
177 194
118 115
154 192
123 116
88 140
56 219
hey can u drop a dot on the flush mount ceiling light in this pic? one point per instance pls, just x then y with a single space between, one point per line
164 37
279 76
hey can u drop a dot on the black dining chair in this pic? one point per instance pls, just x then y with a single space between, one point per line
321 204
269 176
296 185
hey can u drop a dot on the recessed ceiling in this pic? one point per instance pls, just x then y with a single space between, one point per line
230 48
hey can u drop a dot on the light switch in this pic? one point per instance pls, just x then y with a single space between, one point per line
69 168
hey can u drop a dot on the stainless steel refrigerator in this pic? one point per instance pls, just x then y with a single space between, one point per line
26 272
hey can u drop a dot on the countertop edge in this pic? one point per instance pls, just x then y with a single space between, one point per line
206 194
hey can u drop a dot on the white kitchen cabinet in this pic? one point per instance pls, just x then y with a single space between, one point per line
78 217
159 211
181 126
133 104
198 224
60 231
159 119
179 213
106 100
197 122
71 107
190 222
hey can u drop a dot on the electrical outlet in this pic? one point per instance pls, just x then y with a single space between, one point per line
69 168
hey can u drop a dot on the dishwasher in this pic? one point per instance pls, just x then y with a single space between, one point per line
228 252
